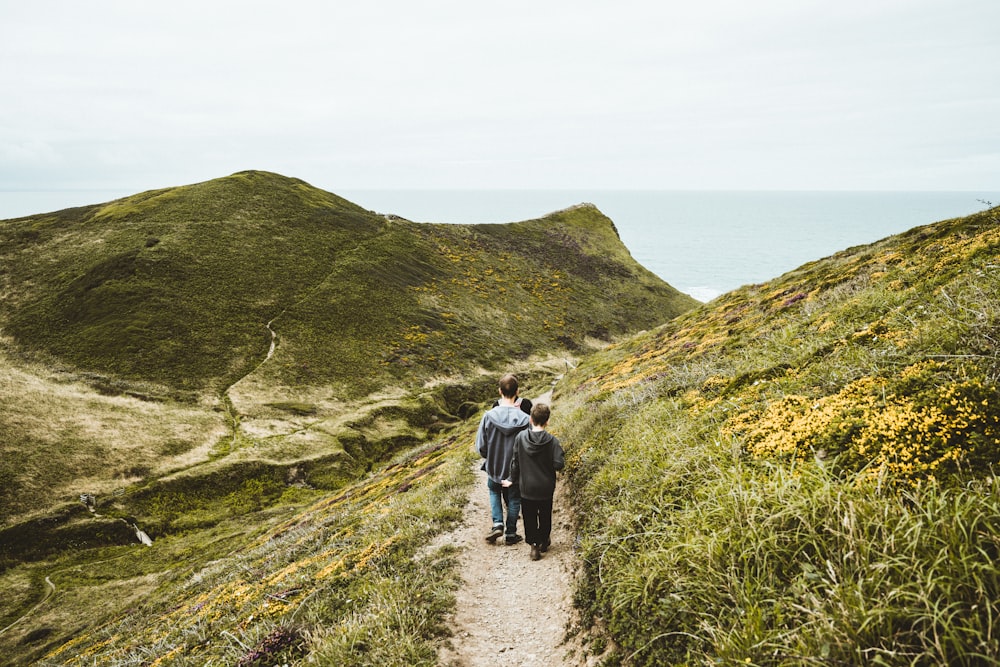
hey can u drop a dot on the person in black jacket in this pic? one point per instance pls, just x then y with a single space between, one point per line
536 458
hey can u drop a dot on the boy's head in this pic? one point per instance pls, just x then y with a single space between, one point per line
508 386
540 414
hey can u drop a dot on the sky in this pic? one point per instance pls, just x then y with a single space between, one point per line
440 94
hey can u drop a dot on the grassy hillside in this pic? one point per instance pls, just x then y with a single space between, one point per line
172 286
803 470
136 334
798 472
176 287
351 578
227 367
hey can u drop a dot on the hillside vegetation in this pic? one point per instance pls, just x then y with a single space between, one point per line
803 471
799 472
177 286
136 334
229 367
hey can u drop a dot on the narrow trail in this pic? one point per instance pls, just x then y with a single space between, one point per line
140 535
48 593
512 610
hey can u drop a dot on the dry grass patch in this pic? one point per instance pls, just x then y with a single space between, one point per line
82 441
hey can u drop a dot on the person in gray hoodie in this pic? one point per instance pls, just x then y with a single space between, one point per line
536 457
495 443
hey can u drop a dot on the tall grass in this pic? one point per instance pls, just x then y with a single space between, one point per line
802 472
694 555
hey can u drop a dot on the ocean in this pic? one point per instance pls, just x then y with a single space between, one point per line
704 243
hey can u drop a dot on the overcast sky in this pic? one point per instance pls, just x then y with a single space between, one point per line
657 94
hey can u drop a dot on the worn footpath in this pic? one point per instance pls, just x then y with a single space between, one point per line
512 610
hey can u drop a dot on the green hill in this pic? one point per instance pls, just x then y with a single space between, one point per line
177 286
803 471
798 472
137 332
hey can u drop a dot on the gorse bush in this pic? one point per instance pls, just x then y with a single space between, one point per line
803 471
703 558
914 426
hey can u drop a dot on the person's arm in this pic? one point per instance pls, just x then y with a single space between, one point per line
515 470
558 457
480 439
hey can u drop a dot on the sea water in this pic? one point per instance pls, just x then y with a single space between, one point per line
704 243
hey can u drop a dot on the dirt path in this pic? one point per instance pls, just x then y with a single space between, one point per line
48 593
511 610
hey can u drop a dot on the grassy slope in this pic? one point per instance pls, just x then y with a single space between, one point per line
175 286
61 437
172 286
347 578
165 297
803 470
125 328
705 541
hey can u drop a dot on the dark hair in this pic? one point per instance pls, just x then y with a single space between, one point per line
508 386
540 414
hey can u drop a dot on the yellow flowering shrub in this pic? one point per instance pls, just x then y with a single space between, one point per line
910 426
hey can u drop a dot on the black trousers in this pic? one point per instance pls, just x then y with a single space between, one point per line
537 517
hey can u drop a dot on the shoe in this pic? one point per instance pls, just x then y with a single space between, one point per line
535 553
494 534
513 539
545 546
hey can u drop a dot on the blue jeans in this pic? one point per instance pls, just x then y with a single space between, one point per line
499 497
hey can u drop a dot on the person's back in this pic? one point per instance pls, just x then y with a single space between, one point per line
536 457
495 443
495 438
539 455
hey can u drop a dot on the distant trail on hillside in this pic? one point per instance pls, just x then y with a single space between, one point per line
48 593
512 610
51 587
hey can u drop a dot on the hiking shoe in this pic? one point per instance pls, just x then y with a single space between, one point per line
535 553
545 546
494 534
513 539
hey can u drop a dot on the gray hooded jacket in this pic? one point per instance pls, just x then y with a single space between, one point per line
495 438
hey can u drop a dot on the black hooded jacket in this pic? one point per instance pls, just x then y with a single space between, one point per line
537 456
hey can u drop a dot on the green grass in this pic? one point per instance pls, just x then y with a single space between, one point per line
346 579
802 471
62 437
176 286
